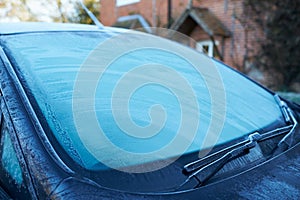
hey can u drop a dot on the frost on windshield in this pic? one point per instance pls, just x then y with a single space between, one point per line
49 64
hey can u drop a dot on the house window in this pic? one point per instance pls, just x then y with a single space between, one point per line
207 47
126 2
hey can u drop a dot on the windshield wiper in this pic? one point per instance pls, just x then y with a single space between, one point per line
204 173
203 169
284 108
288 140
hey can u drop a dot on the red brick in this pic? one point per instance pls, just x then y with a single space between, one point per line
234 46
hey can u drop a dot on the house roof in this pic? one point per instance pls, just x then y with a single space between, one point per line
132 22
202 17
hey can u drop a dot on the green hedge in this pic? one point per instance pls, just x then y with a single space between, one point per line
295 97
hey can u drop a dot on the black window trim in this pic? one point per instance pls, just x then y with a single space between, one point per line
6 118
37 125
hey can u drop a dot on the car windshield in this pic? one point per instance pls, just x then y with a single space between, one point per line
49 63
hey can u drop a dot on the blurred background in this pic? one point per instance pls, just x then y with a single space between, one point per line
260 38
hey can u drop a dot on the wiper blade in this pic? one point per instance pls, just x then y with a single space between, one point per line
284 108
204 169
196 165
202 175
289 119
288 140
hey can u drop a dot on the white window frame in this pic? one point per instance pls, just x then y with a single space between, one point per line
200 46
125 2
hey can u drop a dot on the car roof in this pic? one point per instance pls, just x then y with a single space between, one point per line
25 27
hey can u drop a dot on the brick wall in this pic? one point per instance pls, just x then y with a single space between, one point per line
110 12
233 48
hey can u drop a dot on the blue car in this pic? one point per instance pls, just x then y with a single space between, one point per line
108 113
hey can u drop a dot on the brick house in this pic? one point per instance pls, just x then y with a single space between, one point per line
213 24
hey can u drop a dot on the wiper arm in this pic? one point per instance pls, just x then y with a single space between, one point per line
203 169
196 165
199 177
288 140
288 117
284 108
